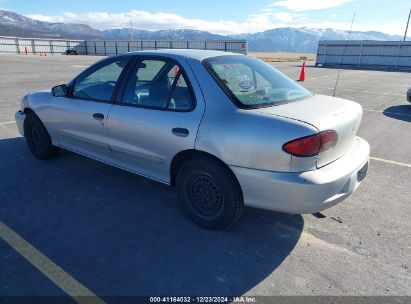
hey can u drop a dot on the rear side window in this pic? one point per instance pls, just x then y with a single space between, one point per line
252 83
158 84
99 83
149 69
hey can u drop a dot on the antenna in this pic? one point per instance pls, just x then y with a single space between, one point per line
342 57
406 28
131 30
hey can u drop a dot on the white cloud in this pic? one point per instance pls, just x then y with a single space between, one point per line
149 21
308 5
392 28
269 16
263 20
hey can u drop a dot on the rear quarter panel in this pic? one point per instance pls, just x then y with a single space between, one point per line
243 138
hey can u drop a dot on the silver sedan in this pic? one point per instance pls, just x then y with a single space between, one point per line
227 130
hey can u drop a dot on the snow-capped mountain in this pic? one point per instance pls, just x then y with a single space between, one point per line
13 24
182 34
303 39
276 40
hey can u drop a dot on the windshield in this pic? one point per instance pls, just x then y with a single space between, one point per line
252 83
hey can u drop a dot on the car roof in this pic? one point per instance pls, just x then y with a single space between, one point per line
188 53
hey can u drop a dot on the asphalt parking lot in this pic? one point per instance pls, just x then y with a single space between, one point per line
73 226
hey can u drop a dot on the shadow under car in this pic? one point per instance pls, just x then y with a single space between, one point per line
123 235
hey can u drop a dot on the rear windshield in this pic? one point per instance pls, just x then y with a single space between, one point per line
252 83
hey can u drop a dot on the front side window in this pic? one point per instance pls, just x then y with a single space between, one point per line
99 84
158 84
253 83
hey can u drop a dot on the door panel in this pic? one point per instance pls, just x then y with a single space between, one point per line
81 119
157 117
76 128
142 140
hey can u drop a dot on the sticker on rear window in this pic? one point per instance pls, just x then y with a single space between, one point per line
245 82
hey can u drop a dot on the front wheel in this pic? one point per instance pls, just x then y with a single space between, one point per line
38 139
209 193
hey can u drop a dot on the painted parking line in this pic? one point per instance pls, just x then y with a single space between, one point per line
390 162
373 158
319 77
353 90
372 92
334 75
7 122
55 273
5 127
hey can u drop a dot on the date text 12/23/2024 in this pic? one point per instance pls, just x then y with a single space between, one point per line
199 299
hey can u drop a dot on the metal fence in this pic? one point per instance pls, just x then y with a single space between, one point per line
14 45
391 55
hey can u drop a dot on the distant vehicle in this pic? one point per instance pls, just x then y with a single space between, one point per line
71 52
409 95
227 130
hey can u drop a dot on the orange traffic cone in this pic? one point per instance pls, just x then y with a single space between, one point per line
302 73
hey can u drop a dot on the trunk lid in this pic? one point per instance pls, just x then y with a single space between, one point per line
324 113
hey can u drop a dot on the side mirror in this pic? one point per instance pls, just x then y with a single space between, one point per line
60 90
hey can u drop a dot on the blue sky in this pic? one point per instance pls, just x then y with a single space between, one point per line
221 16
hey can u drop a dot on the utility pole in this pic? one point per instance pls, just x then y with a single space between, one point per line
131 30
406 28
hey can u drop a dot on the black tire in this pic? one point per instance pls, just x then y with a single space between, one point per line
38 139
209 193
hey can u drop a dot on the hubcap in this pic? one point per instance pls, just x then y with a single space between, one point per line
35 137
205 195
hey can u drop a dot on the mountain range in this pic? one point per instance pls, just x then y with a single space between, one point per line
287 39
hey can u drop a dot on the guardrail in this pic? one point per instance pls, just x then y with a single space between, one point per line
391 55
16 45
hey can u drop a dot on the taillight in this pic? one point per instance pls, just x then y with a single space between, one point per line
304 147
328 140
311 145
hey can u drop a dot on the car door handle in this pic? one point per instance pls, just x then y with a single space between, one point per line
98 116
182 132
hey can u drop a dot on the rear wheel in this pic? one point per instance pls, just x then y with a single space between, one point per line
38 139
209 193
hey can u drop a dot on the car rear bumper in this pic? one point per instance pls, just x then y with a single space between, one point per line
305 192
20 117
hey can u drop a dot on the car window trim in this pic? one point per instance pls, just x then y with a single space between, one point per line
131 68
98 65
173 88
